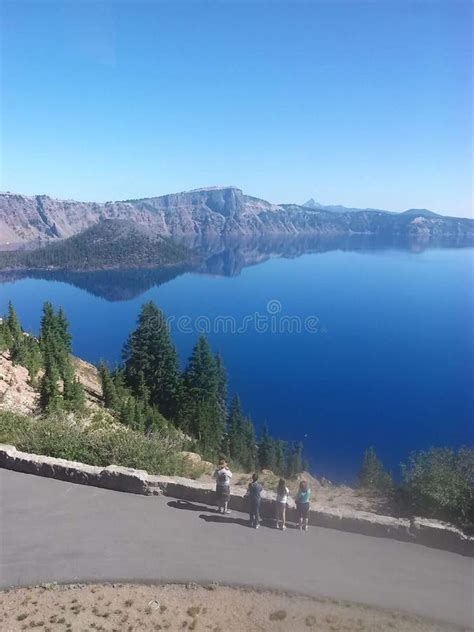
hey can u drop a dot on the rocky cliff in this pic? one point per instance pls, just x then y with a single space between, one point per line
211 213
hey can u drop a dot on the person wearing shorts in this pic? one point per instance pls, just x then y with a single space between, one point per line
281 502
302 505
222 475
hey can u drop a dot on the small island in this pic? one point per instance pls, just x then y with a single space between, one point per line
110 244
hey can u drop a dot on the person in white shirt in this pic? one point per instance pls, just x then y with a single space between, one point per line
281 501
222 475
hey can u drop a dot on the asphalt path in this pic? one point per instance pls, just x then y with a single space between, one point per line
56 531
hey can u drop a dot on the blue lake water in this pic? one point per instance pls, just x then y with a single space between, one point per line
388 362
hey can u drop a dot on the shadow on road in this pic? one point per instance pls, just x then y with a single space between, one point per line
225 520
185 504
269 523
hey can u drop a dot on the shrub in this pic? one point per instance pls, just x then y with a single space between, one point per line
372 474
97 441
440 483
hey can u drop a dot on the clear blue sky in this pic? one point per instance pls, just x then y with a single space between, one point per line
364 104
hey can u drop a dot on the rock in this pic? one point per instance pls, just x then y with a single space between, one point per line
16 394
191 456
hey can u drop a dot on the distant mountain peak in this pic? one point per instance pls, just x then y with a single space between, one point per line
312 203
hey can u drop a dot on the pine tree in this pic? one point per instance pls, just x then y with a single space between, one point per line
280 457
143 392
55 345
5 335
13 322
249 459
235 426
62 331
266 450
109 392
202 414
372 474
76 400
33 358
153 419
221 382
17 346
127 412
50 396
294 459
47 336
73 391
149 350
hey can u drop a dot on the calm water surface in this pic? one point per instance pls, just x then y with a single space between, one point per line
390 364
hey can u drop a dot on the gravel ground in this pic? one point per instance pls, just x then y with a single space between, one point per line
136 607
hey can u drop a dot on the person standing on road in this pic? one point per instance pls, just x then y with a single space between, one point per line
281 501
222 475
302 504
254 493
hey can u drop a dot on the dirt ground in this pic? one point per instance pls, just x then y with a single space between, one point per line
135 607
325 495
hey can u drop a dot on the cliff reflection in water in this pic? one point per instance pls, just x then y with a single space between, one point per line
223 257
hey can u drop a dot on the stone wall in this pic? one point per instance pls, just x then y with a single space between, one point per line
430 533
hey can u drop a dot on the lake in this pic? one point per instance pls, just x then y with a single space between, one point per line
339 348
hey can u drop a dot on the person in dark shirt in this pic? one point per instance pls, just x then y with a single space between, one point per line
254 493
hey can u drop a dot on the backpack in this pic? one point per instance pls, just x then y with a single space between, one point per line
222 477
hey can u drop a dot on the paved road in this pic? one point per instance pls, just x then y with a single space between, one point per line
56 531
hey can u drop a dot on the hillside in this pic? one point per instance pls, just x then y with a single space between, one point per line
19 396
108 244
213 213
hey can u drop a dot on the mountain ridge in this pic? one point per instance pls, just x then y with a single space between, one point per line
212 212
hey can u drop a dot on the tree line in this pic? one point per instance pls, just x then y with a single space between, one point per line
149 391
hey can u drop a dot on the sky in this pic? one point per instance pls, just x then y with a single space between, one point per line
365 104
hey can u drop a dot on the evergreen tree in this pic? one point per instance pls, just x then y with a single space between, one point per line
149 350
47 338
153 420
62 331
55 345
221 382
50 396
5 335
33 358
18 352
266 450
280 457
143 392
109 392
127 412
372 474
235 426
249 459
202 414
119 383
76 399
13 322
294 459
